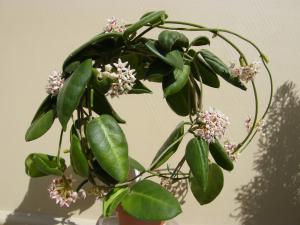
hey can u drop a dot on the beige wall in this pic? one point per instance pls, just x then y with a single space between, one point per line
36 36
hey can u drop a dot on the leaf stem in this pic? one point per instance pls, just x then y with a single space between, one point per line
59 147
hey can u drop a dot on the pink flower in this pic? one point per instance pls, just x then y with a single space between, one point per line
55 82
61 191
211 125
122 75
114 25
230 147
245 73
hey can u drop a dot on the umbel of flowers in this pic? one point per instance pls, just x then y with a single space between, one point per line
115 63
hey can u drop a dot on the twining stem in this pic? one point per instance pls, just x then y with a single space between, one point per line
217 31
243 61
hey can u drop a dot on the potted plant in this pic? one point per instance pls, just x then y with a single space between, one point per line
114 63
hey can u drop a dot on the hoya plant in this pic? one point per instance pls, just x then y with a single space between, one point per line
117 62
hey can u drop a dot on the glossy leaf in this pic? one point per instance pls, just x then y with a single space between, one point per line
109 146
181 78
150 201
102 106
201 40
169 40
139 88
40 125
220 68
136 165
220 156
151 18
69 96
47 104
38 165
157 71
102 175
179 102
196 155
101 86
173 58
78 159
214 186
169 147
71 68
200 68
113 199
100 46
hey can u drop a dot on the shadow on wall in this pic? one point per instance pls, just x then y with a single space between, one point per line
273 196
37 200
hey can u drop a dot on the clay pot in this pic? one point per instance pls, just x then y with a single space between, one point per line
125 219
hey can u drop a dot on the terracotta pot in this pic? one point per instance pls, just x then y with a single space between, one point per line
125 219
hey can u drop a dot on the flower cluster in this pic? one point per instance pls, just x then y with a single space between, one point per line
99 191
55 82
178 188
245 73
61 190
123 78
230 147
259 125
114 25
211 125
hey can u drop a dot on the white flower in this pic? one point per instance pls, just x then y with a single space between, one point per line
211 125
123 78
114 25
55 82
245 73
230 147
61 190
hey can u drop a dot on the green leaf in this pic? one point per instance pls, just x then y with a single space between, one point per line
38 165
220 68
181 78
152 18
201 40
179 102
102 106
166 150
40 125
200 68
69 96
136 165
173 58
214 187
150 201
196 155
157 71
101 86
109 146
169 40
220 156
102 175
113 199
47 104
71 68
100 46
78 159
139 88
